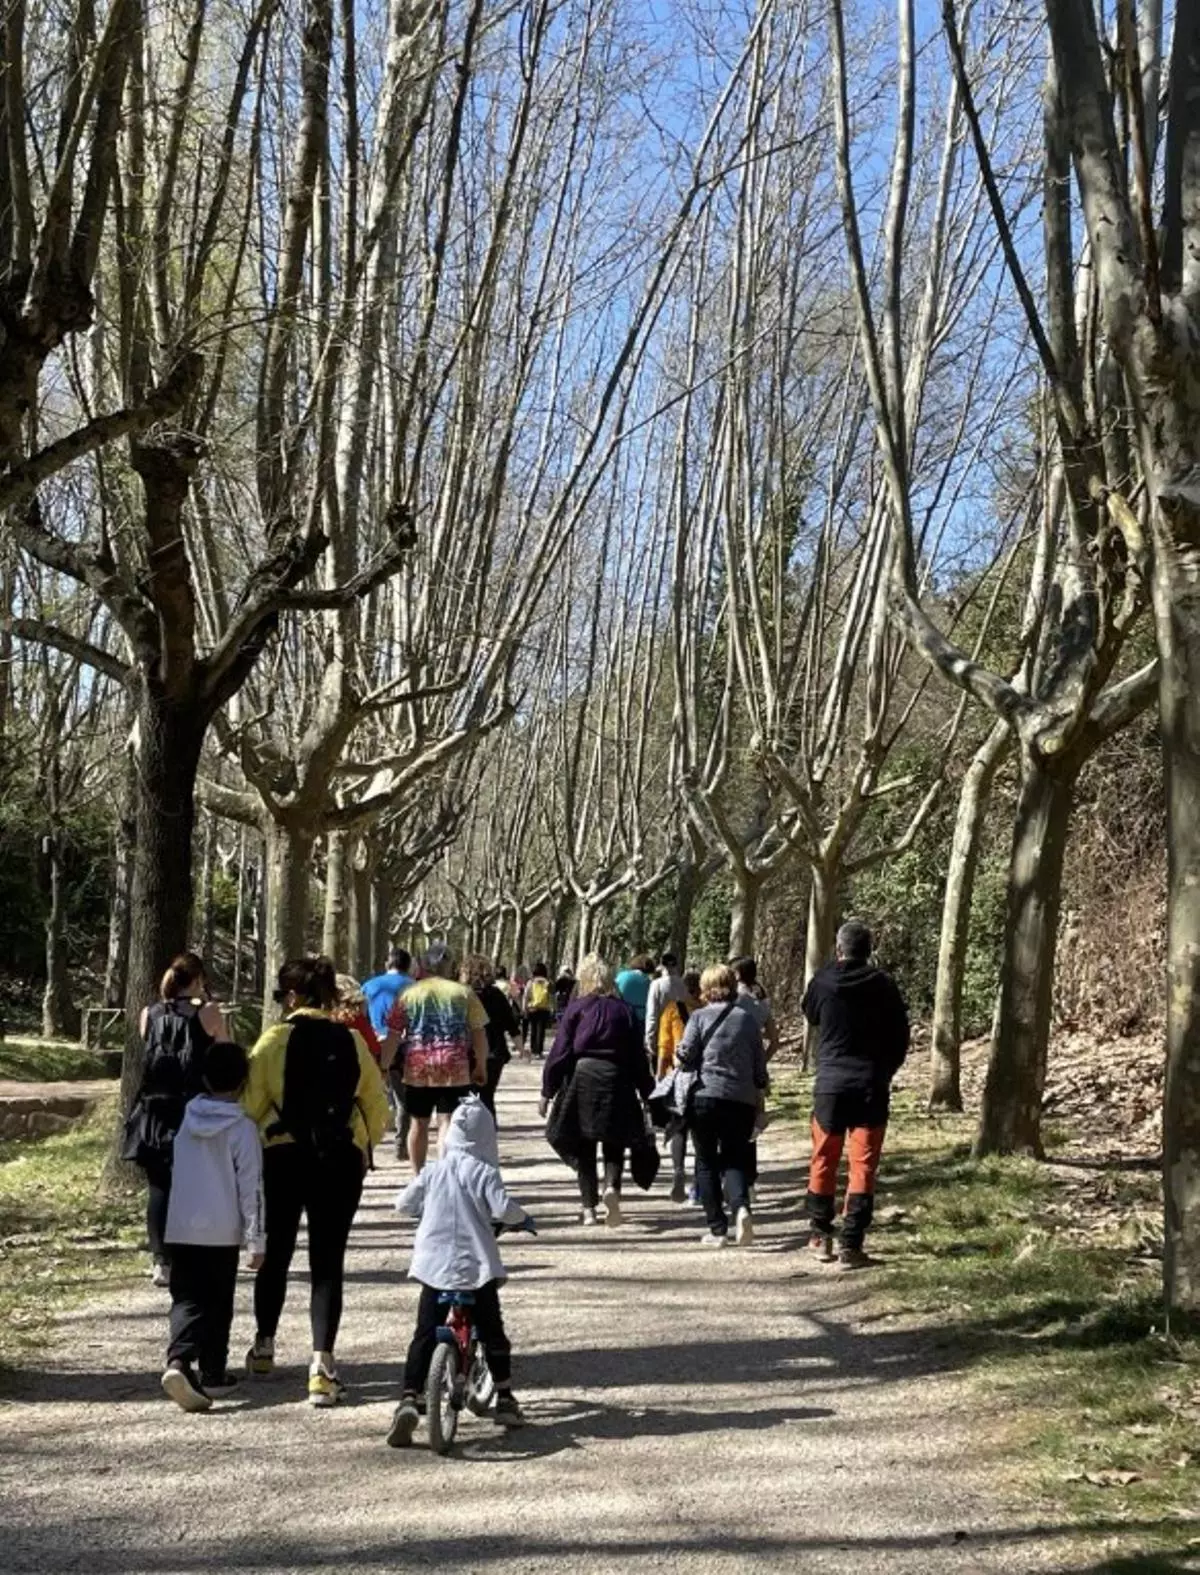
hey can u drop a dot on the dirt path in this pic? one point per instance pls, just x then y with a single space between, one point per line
693 1411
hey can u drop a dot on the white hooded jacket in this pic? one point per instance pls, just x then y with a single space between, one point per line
456 1200
216 1179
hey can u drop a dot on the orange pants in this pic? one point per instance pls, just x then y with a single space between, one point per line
865 1146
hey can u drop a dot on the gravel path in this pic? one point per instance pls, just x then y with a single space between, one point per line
691 1411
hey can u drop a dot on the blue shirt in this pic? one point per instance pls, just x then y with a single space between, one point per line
633 986
380 994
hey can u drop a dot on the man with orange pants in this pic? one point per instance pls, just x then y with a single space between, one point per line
862 1024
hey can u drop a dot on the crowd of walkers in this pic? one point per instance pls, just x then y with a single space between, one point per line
239 1148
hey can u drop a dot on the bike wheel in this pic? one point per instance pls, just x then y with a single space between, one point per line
441 1412
481 1386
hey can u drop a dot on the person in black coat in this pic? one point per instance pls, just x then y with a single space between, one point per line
479 974
863 1031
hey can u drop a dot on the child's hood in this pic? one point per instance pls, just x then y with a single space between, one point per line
473 1131
206 1117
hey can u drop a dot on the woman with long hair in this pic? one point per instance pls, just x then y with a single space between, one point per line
479 974
177 1031
598 1062
319 1102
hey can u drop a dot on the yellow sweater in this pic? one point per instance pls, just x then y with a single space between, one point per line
263 1098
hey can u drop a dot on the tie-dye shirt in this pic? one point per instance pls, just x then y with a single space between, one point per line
435 1019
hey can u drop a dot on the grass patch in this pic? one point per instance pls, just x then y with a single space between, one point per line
48 1061
1044 1280
62 1237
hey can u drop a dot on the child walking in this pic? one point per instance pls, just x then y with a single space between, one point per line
215 1209
457 1201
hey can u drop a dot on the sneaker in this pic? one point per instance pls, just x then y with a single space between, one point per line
743 1230
324 1388
821 1247
181 1385
853 1258
679 1189
693 1196
260 1358
612 1206
224 1380
404 1423
160 1274
711 1239
589 1217
508 1412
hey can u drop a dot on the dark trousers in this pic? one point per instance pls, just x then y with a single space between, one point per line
537 1022
488 1092
158 1197
203 1281
326 1192
722 1136
488 1321
679 1150
395 1083
614 1163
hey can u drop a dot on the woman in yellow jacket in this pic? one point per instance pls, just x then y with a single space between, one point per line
671 1023
318 1098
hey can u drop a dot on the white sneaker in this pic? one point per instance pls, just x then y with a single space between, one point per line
325 1388
589 1217
743 1231
160 1275
612 1206
181 1386
711 1239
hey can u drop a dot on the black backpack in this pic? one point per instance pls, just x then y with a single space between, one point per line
172 1073
320 1087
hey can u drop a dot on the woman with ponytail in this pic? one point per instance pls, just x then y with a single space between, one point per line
177 1031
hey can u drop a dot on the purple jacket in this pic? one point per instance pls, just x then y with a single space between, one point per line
600 1026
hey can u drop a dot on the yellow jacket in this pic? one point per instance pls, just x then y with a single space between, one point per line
671 1024
263 1098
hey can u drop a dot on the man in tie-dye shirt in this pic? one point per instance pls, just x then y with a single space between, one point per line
437 1027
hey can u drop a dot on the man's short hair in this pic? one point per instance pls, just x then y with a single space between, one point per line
854 941
399 961
668 960
438 961
746 969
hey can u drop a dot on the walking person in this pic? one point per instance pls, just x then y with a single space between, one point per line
380 994
599 1063
319 1102
437 1029
633 986
178 1031
754 998
479 975
216 1208
666 986
863 1030
723 1044
537 1008
672 1021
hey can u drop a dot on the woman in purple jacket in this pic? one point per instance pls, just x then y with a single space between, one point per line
599 1064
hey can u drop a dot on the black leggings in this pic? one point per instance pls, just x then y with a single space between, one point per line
488 1321
614 1161
158 1197
327 1192
488 1092
536 1023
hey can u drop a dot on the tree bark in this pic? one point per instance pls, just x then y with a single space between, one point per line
743 914
945 1087
205 920
60 1015
362 949
520 933
687 892
116 966
381 920
239 922
1011 1116
559 916
288 869
336 931
820 932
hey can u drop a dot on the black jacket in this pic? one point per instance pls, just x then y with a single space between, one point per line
863 1026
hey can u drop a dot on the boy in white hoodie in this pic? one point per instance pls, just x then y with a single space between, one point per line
216 1208
458 1200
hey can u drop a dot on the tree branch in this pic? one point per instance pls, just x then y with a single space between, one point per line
38 631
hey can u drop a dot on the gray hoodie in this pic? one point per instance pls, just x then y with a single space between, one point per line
726 1048
216 1180
456 1200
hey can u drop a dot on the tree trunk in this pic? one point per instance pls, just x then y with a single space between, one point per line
362 925
116 966
239 922
288 872
60 1015
169 738
1176 588
584 929
743 914
559 916
499 935
1010 1120
820 934
381 920
945 1090
687 891
260 921
335 935
637 921
520 933
205 918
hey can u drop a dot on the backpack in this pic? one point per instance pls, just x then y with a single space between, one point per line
540 999
172 1073
320 1087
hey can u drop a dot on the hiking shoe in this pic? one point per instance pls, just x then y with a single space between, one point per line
679 1189
160 1274
589 1217
324 1388
711 1239
508 1412
612 1206
743 1230
821 1247
404 1423
260 1358
224 1380
853 1258
182 1386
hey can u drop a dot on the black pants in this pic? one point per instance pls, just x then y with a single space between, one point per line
614 1163
203 1281
679 1150
488 1092
488 1321
722 1136
158 1197
395 1083
327 1194
537 1022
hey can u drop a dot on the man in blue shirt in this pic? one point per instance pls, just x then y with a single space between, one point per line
381 991
633 986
